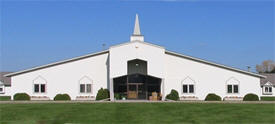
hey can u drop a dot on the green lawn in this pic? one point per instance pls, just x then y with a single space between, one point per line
5 98
267 98
136 113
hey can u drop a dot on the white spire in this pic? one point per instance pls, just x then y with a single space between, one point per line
137 29
137 35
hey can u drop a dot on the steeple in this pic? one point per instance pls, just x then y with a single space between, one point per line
136 29
136 36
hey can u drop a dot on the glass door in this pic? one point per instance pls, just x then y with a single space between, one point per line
141 91
132 91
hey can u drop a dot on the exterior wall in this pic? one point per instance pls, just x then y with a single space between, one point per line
65 78
271 95
207 78
7 91
102 68
119 55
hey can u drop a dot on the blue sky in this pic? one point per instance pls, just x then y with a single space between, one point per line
234 33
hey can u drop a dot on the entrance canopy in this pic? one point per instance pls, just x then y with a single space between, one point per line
136 86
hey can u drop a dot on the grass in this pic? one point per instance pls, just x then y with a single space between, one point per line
136 113
5 98
267 98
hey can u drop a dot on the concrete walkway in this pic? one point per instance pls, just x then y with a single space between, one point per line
139 101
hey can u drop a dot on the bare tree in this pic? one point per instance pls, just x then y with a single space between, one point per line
267 66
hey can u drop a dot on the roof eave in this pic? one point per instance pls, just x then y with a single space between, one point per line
215 64
56 63
137 41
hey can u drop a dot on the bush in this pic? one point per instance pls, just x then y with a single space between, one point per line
107 93
5 98
21 96
62 97
251 97
267 98
213 97
102 94
174 95
117 96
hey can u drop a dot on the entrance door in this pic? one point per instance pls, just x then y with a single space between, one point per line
135 91
132 92
141 91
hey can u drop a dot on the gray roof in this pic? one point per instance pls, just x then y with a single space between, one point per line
270 77
5 80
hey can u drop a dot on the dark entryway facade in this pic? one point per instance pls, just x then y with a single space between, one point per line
137 84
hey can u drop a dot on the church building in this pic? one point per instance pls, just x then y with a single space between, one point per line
134 70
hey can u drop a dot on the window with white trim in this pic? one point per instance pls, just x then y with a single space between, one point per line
2 88
267 88
39 88
85 85
85 88
188 86
232 86
39 85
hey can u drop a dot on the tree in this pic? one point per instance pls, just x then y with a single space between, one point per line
267 66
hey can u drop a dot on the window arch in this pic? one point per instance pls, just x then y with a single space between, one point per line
39 85
232 85
86 85
267 88
188 86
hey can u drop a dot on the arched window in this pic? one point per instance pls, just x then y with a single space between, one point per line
39 85
267 88
85 85
232 85
188 86
2 87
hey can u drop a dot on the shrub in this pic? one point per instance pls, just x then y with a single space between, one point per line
251 97
62 97
173 95
117 96
212 97
21 96
107 93
5 98
267 98
102 94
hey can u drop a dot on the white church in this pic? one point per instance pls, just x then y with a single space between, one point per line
134 69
